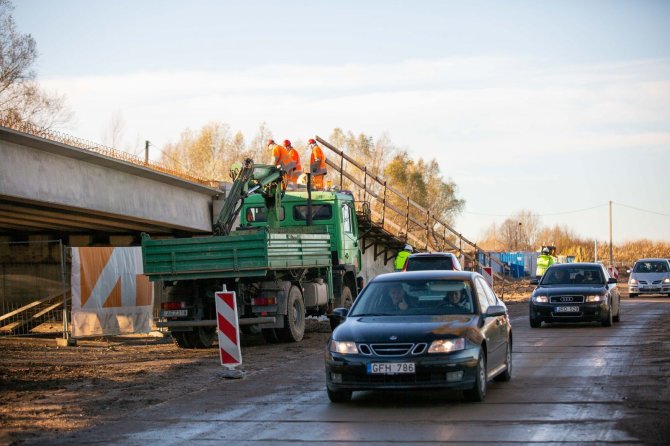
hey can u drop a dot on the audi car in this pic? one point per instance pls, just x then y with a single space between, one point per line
420 330
649 276
575 292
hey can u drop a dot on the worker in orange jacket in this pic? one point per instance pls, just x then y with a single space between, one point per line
281 157
317 165
295 157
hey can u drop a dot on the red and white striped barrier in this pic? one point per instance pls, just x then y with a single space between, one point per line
487 272
229 339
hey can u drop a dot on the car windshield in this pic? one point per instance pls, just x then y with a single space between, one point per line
573 275
429 263
651 267
415 297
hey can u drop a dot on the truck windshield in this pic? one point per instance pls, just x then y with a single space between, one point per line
319 212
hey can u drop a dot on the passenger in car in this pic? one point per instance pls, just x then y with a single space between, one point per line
458 300
395 299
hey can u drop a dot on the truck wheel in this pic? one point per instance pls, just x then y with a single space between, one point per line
270 335
294 321
203 336
182 339
346 299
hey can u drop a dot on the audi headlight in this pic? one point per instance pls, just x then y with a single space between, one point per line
343 347
594 298
540 299
632 281
446 345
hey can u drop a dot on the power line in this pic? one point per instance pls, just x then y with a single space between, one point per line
642 210
539 215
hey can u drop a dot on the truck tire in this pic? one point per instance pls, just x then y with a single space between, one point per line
346 299
203 337
294 321
270 335
182 339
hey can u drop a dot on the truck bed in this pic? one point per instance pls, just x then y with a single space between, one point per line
243 253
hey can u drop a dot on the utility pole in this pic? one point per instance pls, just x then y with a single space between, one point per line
611 255
146 152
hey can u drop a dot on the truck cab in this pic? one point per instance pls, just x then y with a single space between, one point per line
331 209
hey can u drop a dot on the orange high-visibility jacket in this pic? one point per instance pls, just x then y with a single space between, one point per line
295 156
281 156
317 154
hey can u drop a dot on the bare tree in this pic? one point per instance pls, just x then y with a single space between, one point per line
21 98
114 132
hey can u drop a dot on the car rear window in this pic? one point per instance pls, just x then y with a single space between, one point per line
429 263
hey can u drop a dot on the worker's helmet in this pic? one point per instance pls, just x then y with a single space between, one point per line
311 141
545 250
287 143
409 248
271 141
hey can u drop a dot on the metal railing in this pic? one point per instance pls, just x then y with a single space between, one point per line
402 216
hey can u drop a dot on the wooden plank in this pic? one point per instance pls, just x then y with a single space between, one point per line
29 306
49 308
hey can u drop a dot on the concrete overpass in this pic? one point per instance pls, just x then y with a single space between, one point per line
48 187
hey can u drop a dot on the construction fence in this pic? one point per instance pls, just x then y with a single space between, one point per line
34 289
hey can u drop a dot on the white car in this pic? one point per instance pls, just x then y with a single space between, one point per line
649 276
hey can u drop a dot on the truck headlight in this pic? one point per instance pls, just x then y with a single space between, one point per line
446 345
343 347
594 298
540 299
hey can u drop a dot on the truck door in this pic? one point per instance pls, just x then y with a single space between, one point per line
350 249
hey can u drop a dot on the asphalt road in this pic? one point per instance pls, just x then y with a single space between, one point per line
571 383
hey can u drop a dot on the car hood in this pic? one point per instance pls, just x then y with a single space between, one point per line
562 290
649 277
408 329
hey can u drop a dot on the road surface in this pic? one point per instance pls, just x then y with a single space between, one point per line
571 383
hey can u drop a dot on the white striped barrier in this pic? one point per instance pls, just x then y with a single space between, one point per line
229 338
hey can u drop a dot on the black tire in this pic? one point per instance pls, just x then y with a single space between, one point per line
183 339
346 299
202 337
294 321
270 335
478 391
535 323
339 396
634 295
507 374
617 316
607 322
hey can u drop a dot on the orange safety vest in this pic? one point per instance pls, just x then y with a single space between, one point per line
280 156
317 154
295 156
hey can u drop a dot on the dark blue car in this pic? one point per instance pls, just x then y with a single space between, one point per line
420 330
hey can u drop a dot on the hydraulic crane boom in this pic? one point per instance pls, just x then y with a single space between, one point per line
249 179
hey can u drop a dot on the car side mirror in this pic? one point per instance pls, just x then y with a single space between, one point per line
495 310
338 316
611 280
535 281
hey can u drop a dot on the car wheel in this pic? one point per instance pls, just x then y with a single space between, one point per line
294 321
339 396
507 374
608 319
632 295
478 392
535 323
617 317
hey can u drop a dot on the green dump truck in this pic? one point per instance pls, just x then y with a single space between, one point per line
294 254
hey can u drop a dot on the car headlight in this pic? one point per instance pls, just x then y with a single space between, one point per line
540 299
446 345
666 280
343 347
594 298
632 281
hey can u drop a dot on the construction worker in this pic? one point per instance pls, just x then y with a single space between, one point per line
317 165
280 156
401 257
295 156
544 261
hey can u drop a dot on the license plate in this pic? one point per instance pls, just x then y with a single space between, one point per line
566 310
174 313
390 368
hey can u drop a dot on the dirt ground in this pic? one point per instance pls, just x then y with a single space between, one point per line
46 390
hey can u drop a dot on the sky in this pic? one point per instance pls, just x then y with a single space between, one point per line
556 107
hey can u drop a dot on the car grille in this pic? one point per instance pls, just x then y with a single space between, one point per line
567 299
645 282
392 349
